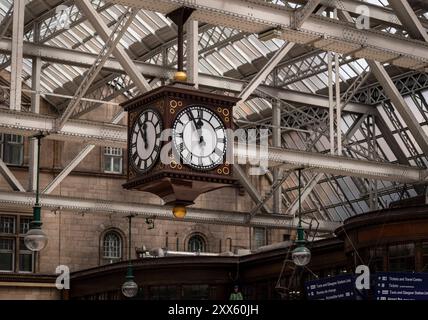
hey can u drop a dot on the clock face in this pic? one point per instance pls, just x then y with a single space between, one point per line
199 138
145 140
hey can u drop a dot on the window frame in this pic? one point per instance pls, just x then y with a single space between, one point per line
112 259
201 239
108 158
17 236
264 230
3 144
13 254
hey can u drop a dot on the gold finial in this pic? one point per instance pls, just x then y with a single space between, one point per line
180 76
179 211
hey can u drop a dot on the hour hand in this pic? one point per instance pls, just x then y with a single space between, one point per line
144 133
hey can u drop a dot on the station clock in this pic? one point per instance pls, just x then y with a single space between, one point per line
178 142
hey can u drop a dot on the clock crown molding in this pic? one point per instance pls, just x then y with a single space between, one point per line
179 90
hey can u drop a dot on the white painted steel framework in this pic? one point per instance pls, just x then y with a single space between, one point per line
88 206
282 84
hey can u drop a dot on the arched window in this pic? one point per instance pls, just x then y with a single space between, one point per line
196 244
112 246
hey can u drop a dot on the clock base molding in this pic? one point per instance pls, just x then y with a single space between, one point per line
176 190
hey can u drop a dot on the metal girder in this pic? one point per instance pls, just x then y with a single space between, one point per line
406 84
192 52
10 177
265 71
101 28
36 70
109 46
401 105
304 12
335 165
5 23
249 187
78 159
84 59
390 141
313 181
162 212
409 19
378 13
276 142
70 166
321 32
17 55
81 131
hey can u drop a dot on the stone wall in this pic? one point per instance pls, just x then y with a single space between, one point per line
75 237
13 292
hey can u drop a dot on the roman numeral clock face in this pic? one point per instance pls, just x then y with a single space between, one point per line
199 138
145 140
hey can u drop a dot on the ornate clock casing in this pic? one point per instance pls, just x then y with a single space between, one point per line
185 111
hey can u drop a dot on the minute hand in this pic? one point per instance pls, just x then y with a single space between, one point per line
198 125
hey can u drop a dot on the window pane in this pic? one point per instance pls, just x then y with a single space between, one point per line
24 224
26 262
13 149
117 164
196 244
112 246
259 237
113 160
7 224
6 254
25 257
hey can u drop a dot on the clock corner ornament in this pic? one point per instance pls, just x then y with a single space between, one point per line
177 143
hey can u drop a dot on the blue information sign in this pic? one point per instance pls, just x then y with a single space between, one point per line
401 286
333 288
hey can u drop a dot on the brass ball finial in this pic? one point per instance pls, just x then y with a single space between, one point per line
180 76
179 211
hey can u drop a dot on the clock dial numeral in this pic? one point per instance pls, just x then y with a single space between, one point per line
145 145
199 137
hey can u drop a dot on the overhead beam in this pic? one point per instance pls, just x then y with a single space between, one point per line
192 62
316 31
249 187
81 131
276 142
304 12
292 209
379 14
10 177
77 160
265 71
17 54
109 46
84 59
91 132
70 167
394 95
101 28
36 71
409 19
88 206
336 165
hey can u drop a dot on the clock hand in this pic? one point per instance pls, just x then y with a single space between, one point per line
198 125
146 144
